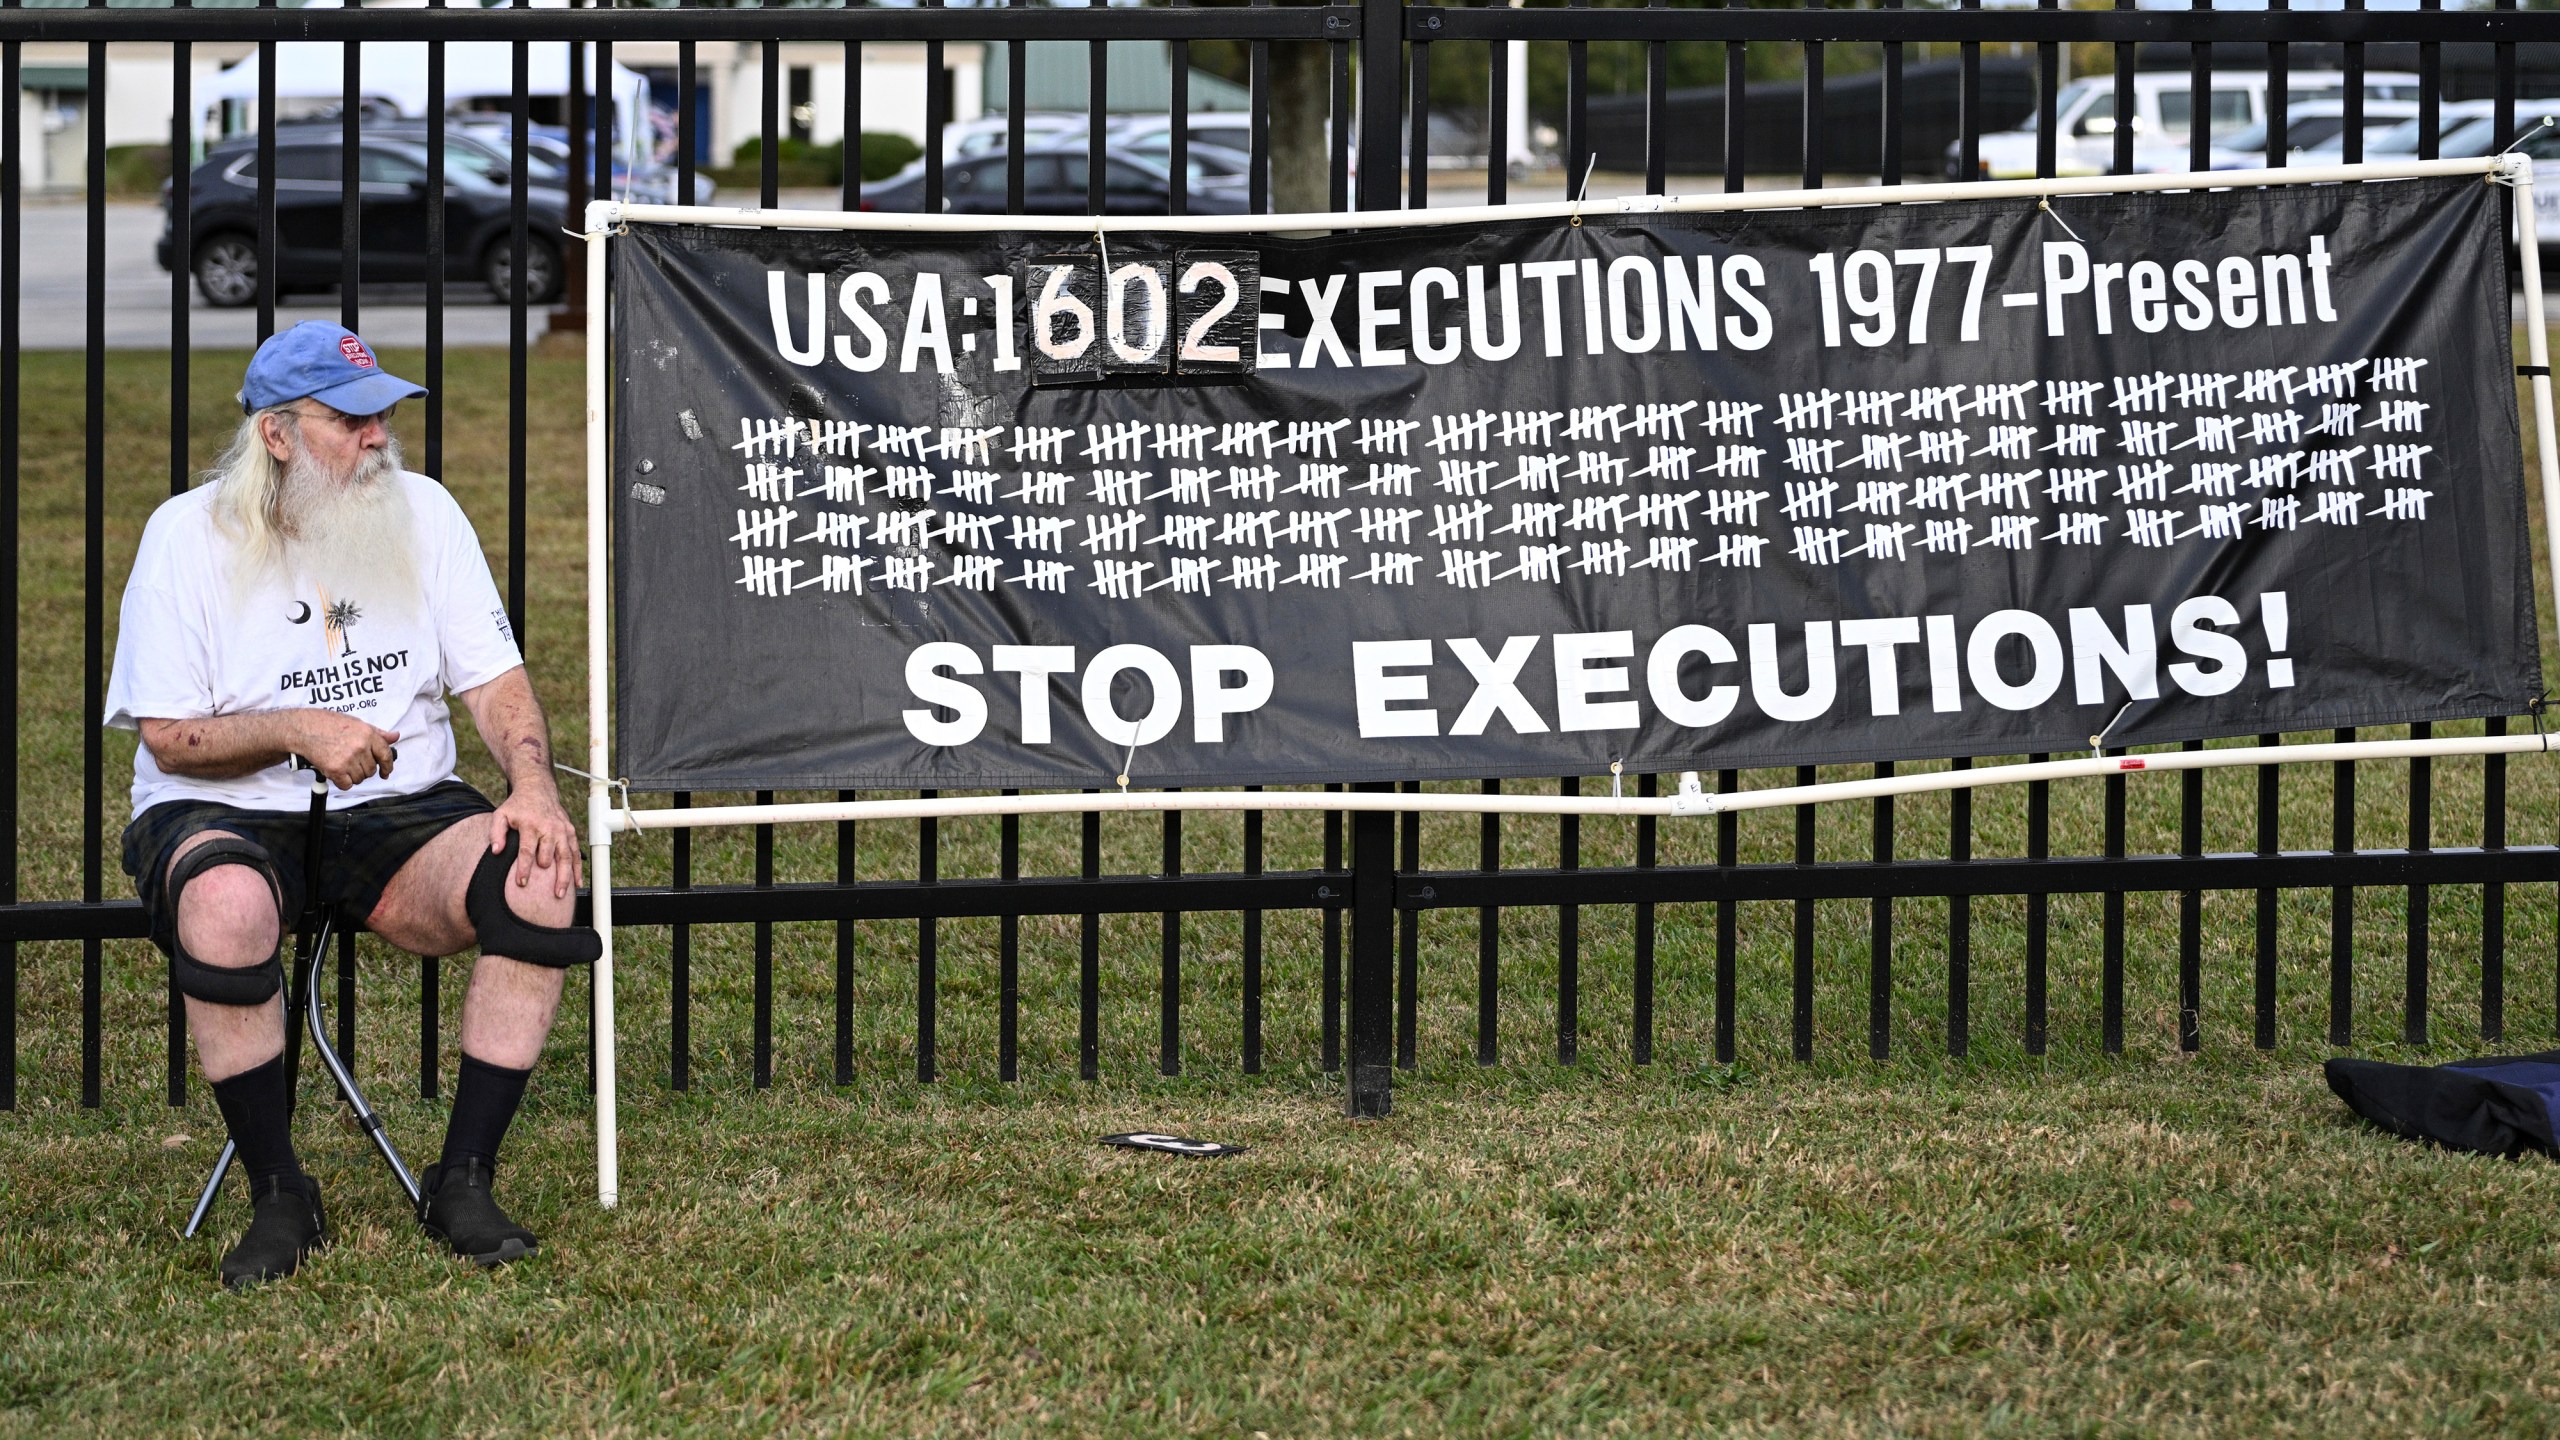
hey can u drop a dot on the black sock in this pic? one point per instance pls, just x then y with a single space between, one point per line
257 1107
485 1098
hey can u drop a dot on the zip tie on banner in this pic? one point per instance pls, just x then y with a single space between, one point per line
2098 742
2047 207
2522 136
1129 756
1102 284
629 819
1583 191
1617 769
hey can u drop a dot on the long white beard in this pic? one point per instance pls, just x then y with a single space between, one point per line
352 537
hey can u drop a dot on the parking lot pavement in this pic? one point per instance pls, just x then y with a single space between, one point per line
54 311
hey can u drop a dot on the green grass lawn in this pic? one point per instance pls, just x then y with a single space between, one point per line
2074 1243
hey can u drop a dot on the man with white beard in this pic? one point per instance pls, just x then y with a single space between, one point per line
316 600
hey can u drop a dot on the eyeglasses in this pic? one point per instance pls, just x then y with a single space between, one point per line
352 424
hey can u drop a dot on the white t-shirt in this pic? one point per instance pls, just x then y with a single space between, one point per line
188 649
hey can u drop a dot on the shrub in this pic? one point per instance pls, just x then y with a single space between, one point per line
801 165
884 155
134 172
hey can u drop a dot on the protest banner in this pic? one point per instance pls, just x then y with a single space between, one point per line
1676 491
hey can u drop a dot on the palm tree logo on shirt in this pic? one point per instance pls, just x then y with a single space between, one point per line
341 615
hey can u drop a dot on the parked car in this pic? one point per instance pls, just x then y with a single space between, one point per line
2538 139
2308 124
2469 128
394 189
1219 169
2537 134
652 184
490 144
1152 135
546 147
1219 140
2464 129
2164 106
2399 140
1054 183
1221 153
992 133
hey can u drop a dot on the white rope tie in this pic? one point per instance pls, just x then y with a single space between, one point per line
622 786
2499 177
2098 742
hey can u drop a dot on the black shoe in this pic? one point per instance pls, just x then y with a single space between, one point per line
285 1225
457 1208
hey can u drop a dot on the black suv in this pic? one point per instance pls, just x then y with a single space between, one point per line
394 190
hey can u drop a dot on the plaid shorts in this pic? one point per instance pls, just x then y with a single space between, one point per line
362 847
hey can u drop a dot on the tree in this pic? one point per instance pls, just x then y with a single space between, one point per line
1301 111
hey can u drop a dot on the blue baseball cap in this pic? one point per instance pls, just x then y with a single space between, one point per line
319 361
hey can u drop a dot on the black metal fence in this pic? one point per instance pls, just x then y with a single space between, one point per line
1380 57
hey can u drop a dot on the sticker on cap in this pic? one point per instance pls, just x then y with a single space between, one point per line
356 354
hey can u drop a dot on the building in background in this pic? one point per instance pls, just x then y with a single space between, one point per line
56 105
1057 75
809 93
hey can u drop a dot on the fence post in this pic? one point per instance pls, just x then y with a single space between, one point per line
1378 140
1373 933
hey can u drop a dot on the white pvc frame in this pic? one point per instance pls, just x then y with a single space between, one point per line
606 218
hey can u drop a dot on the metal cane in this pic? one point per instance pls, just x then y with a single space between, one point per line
362 1113
312 946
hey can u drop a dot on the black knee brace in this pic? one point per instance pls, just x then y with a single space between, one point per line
222 984
503 932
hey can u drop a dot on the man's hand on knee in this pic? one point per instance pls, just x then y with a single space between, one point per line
508 916
550 838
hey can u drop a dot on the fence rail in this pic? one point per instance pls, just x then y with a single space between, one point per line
1336 21
1377 101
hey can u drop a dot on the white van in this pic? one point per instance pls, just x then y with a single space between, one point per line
2164 107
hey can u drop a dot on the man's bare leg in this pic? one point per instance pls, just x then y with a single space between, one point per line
227 920
509 1008
505 1017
